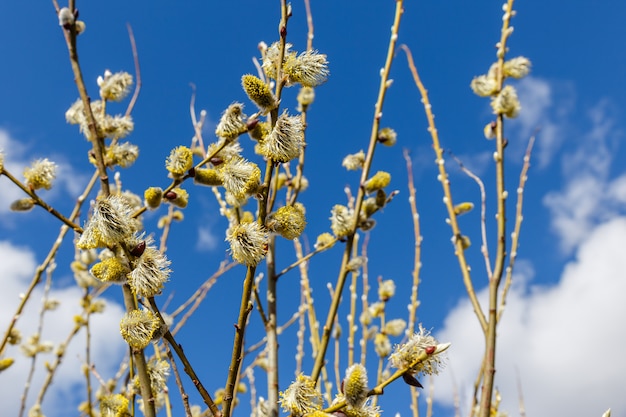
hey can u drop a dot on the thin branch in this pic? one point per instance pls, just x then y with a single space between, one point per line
500 256
199 295
33 361
417 255
169 338
519 217
133 46
179 383
38 201
341 279
309 23
237 351
97 140
483 213
445 183
306 258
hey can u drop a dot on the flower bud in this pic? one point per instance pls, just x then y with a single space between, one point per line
463 208
23 204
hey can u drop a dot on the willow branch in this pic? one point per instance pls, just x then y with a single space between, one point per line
343 272
417 254
517 227
187 365
445 183
500 257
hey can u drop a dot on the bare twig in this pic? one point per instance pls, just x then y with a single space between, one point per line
179 383
343 272
133 46
445 183
417 255
518 225
483 212
169 338
500 257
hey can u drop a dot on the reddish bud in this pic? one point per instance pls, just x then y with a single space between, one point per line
170 195
139 249
283 32
251 124
430 350
216 160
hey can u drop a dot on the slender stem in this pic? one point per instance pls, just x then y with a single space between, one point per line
483 214
52 367
309 23
86 301
343 272
258 303
271 333
237 356
445 183
364 301
33 361
518 225
352 315
305 258
179 383
500 257
133 46
96 139
417 255
199 295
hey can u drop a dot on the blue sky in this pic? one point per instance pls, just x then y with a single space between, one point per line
563 328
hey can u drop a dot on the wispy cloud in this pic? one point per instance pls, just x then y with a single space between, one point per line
589 196
207 239
543 109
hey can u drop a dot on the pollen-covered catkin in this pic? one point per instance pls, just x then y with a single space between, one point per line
259 92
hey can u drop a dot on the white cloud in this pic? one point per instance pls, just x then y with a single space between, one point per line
107 347
589 196
541 109
565 341
536 98
207 240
